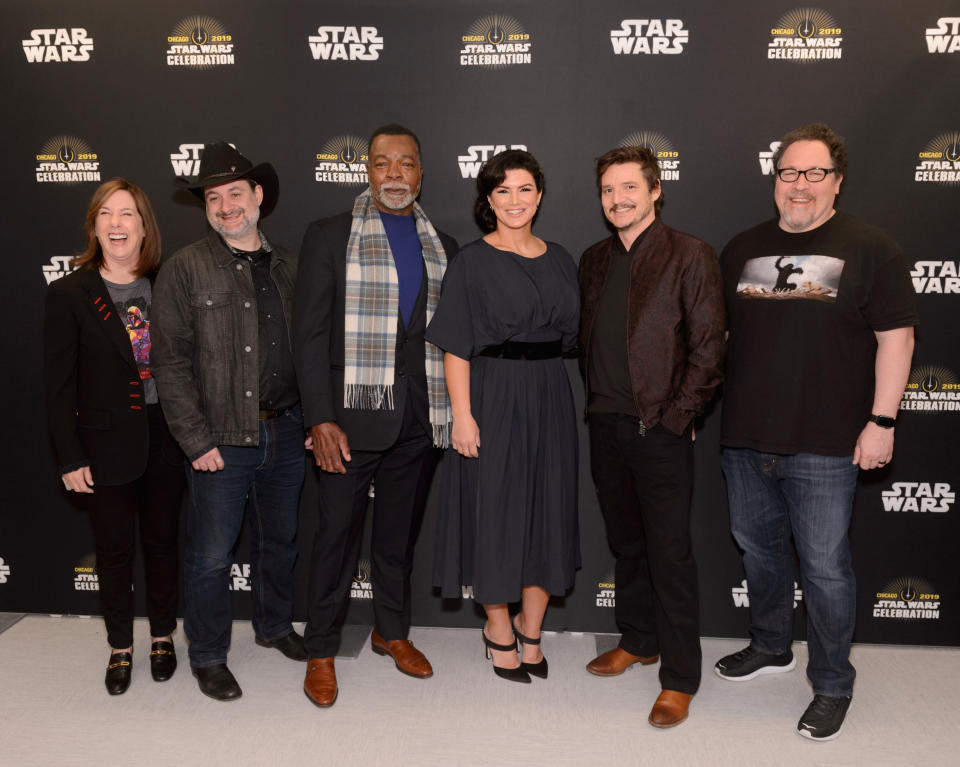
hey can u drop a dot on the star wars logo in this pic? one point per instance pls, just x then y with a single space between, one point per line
361 587
805 35
650 36
343 160
4 570
766 159
918 496
945 37
85 579
741 596
58 267
186 160
345 44
931 389
67 160
239 577
58 45
907 599
939 162
935 277
200 42
478 154
495 42
668 158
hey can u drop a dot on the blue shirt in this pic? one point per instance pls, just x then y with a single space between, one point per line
408 257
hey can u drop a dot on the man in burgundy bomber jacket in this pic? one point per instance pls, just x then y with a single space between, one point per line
652 336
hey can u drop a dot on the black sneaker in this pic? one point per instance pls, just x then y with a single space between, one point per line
749 663
823 718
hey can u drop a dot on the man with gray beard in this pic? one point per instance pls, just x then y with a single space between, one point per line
374 399
223 363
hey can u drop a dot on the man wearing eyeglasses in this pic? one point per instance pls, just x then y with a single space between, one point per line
820 311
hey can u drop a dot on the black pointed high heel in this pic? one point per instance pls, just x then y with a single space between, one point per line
518 674
538 669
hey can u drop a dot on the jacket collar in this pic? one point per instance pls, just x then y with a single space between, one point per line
100 305
223 256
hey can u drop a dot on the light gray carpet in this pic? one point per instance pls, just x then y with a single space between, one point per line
54 709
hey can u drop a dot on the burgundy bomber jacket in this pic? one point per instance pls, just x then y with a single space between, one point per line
675 322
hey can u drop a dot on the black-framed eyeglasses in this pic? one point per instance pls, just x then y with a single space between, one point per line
813 175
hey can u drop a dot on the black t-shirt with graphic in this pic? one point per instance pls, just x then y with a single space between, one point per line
132 302
802 310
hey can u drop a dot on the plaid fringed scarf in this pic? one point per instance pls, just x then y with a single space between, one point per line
371 313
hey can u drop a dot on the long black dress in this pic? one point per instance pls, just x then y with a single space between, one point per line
508 519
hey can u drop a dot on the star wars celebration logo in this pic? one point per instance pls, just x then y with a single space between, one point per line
360 586
766 158
607 591
939 162
936 276
67 160
495 42
668 158
907 599
931 389
936 497
4 570
332 43
342 160
741 596
58 44
477 154
805 35
85 579
239 577
945 37
200 42
650 36
58 267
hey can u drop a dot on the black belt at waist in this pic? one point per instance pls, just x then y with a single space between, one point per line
523 350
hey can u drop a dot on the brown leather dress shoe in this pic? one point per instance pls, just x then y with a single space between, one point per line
408 658
320 684
670 709
614 662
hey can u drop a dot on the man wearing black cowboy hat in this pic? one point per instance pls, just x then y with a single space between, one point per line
224 370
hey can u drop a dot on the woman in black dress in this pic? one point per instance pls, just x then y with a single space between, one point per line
113 447
508 524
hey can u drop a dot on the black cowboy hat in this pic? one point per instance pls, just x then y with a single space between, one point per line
221 163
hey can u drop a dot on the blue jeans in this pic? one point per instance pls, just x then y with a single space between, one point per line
271 476
810 496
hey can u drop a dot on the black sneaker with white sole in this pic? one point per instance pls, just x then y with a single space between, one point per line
824 717
749 663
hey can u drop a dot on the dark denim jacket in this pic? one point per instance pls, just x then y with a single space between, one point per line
205 348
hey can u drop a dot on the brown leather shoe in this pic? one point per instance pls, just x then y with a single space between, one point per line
670 709
614 662
320 684
408 658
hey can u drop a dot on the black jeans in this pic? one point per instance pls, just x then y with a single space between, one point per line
645 485
401 477
153 500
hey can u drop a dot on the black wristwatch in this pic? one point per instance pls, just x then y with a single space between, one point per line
883 421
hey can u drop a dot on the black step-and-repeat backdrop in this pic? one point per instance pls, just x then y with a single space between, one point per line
110 88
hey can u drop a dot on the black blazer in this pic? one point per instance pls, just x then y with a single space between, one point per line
318 306
94 397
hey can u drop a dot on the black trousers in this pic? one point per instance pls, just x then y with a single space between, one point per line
153 500
401 476
645 486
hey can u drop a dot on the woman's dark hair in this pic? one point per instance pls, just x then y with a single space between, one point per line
492 174
92 257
